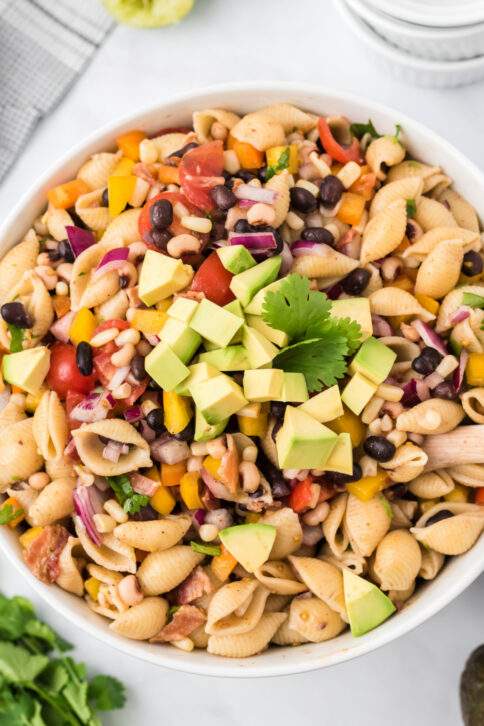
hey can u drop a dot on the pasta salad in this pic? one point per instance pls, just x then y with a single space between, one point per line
242 393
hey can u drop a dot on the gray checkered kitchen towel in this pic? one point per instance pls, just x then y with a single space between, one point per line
44 46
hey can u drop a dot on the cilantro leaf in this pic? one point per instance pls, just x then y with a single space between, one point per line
106 693
130 500
359 130
473 300
8 513
411 208
296 309
17 665
205 549
320 360
281 164
16 338
398 131
14 616
346 328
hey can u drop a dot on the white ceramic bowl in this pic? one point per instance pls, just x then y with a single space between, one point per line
442 44
458 573
433 13
409 68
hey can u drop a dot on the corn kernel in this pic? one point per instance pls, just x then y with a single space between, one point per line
92 586
367 487
458 494
428 303
475 369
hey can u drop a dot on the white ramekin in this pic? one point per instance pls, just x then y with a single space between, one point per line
433 13
417 71
459 571
443 44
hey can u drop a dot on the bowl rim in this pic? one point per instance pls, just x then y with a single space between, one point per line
380 45
443 17
212 666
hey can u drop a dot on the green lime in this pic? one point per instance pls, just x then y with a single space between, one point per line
148 13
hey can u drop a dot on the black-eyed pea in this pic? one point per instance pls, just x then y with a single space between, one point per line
261 213
39 480
123 356
219 131
195 463
216 447
199 448
130 591
182 244
208 532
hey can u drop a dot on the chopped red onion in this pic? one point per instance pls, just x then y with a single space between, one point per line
422 390
246 203
458 377
286 257
255 194
143 484
217 489
71 449
460 314
381 327
254 241
112 260
305 247
61 328
118 378
79 239
433 379
429 336
84 505
146 431
133 414
410 397
199 516
94 407
112 451
168 450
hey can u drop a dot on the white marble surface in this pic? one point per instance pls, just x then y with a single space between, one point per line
413 681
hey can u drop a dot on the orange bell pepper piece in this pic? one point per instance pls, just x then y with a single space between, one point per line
129 143
169 174
65 195
479 497
351 208
223 564
249 157
172 473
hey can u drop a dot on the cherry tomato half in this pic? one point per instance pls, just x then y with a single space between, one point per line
343 154
64 375
213 279
201 170
114 323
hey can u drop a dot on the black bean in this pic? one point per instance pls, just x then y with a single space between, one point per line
161 214
84 358
427 361
152 385
145 514
76 220
279 486
276 428
438 517
187 433
242 226
228 179
54 254
278 409
356 281
245 175
472 264
410 230
331 190
222 197
379 448
302 200
105 198
137 367
319 235
262 174
123 281
160 239
445 390
156 420
14 313
337 478
188 147
65 250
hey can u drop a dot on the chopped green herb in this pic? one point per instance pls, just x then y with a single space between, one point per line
411 208
8 514
473 300
130 500
16 338
320 360
398 131
172 610
282 163
359 130
206 549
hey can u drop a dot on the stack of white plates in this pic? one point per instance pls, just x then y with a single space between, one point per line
437 43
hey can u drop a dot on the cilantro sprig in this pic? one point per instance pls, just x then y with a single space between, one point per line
411 208
281 164
8 513
319 343
359 130
39 684
205 549
130 500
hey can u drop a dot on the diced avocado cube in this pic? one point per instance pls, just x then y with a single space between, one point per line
231 358
182 340
374 360
182 308
218 398
278 337
294 388
324 406
236 308
236 258
355 308
263 384
198 372
161 276
247 284
257 303
165 367
260 350
205 431
27 369
215 324
367 606
358 392
250 544
302 442
341 458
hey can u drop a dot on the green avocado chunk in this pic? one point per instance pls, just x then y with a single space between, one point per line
215 323
218 398
294 388
256 305
367 606
247 284
374 360
324 406
197 372
205 431
302 442
27 369
182 309
236 258
231 358
250 544
259 350
164 366
341 458
264 384
358 392
161 276
182 340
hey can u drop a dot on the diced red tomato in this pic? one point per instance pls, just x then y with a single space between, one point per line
72 399
213 279
136 392
479 496
103 367
201 170
64 375
144 223
115 323
301 496
340 153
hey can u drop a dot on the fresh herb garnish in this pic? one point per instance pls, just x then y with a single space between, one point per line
16 338
8 513
281 164
473 300
205 549
411 208
318 342
359 130
130 500
39 687
398 131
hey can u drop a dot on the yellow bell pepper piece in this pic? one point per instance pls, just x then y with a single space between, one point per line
475 369
253 426
163 501
120 189
403 282
351 424
129 143
148 321
32 400
397 320
178 411
428 303
252 518
124 167
351 208
153 474
367 487
12 502
274 154
163 305
458 494
223 564
172 473
82 327
189 490
66 195
211 465
92 585
29 535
